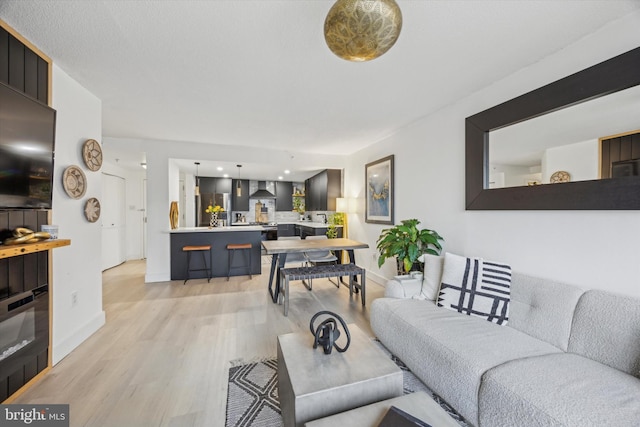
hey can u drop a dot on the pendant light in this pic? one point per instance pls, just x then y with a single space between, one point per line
197 189
361 30
238 186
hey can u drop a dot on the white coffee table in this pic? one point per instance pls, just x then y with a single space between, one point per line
313 385
419 404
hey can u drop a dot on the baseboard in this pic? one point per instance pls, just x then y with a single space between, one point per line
61 350
377 278
157 277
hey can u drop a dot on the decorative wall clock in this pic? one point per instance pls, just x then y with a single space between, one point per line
92 154
560 176
92 209
74 182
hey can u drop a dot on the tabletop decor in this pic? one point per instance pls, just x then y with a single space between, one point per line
407 243
379 181
173 215
214 211
327 333
22 235
92 154
74 182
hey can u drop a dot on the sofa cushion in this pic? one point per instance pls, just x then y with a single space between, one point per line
432 276
543 308
475 287
558 390
447 350
403 288
606 328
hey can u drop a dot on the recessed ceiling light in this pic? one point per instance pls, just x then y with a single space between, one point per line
226 175
280 177
287 171
219 168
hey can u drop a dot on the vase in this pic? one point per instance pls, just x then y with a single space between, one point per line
173 215
213 221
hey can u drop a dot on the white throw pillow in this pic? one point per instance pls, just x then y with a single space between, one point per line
476 287
432 275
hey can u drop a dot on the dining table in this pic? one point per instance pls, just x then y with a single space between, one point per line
279 249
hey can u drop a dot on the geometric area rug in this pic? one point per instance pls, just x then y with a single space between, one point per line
252 398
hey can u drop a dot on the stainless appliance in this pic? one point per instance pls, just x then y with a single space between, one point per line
269 230
206 199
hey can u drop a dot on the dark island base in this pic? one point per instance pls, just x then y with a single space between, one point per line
219 253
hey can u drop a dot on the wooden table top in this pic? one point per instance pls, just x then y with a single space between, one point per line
304 245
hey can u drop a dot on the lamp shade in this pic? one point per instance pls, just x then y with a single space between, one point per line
342 204
361 30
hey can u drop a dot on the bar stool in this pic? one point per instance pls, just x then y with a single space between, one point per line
202 249
233 247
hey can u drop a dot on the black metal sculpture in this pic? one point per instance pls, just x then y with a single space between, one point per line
327 333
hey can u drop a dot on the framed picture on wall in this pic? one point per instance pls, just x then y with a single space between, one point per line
379 191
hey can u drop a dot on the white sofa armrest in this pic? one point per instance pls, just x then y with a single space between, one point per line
403 289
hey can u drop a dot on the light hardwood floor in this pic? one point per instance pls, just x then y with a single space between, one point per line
163 356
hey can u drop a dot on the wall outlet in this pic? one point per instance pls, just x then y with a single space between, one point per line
74 298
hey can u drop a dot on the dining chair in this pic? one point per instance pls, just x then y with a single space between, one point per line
320 257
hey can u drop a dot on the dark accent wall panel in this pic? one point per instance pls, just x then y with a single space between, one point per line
22 68
16 63
43 81
30 73
4 56
26 272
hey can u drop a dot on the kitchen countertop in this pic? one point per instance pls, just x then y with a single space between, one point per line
216 229
245 227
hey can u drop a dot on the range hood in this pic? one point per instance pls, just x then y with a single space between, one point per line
262 192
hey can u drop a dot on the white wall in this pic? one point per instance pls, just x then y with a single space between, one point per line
591 249
76 268
581 160
133 206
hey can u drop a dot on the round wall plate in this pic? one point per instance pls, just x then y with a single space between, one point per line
74 182
560 176
92 154
92 209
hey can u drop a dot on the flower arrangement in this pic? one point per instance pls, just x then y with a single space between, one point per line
214 209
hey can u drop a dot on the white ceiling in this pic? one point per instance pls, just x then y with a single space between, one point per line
259 74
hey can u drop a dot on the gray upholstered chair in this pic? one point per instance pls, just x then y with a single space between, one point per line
320 257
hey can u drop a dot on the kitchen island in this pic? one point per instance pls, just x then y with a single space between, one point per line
218 238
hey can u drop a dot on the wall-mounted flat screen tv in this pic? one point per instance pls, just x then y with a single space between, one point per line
27 135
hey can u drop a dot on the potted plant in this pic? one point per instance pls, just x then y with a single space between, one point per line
298 205
334 219
407 243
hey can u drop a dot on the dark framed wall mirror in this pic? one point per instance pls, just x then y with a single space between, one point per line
543 150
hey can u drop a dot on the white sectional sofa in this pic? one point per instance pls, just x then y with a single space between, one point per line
567 357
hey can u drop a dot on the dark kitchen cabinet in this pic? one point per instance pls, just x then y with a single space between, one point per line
240 203
284 193
306 230
285 230
214 185
322 190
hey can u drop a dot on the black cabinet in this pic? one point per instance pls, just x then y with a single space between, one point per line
322 190
285 230
22 69
240 203
284 193
315 231
214 185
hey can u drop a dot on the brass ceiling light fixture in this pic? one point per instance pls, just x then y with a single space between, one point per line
362 30
238 186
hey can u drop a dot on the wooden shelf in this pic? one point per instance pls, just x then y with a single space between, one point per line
7 251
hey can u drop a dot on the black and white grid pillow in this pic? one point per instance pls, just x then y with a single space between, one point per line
476 287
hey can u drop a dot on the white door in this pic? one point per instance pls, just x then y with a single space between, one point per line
113 218
144 218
